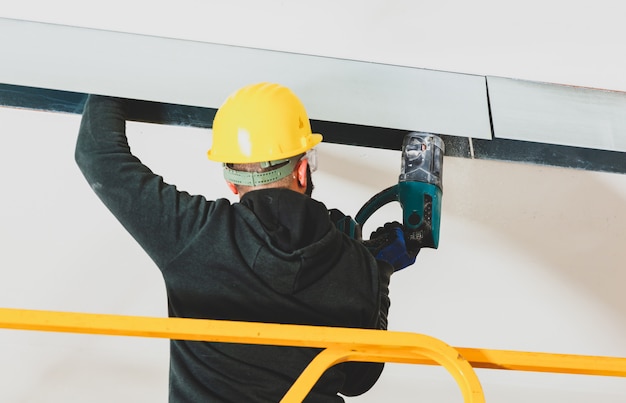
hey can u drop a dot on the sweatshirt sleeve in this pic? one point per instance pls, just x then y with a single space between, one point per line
156 214
361 376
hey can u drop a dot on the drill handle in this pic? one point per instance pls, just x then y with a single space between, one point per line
372 205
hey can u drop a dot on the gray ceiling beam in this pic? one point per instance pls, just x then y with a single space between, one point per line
200 74
558 114
334 132
53 67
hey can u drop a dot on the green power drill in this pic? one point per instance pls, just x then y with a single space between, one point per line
419 191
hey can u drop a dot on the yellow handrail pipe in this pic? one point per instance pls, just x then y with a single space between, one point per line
339 344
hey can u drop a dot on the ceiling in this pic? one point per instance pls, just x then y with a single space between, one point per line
539 83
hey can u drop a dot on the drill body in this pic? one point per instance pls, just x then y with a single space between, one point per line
419 191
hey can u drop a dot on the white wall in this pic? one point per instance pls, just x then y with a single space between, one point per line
531 258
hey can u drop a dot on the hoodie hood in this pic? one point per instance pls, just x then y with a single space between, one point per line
295 242
291 220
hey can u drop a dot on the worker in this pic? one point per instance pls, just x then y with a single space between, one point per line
275 256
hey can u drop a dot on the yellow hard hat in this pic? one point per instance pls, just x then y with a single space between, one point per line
261 122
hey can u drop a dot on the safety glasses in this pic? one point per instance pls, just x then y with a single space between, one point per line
311 157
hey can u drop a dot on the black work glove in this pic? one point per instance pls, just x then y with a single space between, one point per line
345 223
387 243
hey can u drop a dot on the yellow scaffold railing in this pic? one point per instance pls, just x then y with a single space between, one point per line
338 344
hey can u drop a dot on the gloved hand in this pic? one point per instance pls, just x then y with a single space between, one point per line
345 223
387 243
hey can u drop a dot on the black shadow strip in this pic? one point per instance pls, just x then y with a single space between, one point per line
73 102
380 137
550 154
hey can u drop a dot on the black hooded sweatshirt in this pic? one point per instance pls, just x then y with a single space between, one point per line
274 257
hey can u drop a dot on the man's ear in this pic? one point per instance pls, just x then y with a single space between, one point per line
232 187
301 172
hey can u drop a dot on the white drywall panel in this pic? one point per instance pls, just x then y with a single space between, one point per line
204 74
558 114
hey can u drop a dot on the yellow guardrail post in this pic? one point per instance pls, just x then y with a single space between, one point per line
417 348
